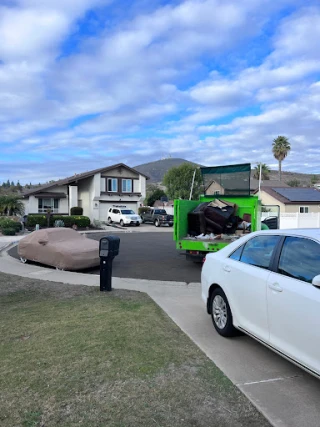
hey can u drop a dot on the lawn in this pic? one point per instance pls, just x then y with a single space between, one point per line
70 355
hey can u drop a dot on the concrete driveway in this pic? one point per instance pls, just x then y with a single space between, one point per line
285 394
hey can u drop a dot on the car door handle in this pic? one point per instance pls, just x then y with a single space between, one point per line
275 287
227 268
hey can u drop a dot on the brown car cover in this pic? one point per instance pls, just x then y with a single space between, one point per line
63 248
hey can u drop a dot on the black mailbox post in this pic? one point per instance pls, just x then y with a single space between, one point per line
108 249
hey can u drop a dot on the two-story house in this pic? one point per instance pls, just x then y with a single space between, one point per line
95 191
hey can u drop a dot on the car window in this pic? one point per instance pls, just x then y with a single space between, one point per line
127 212
236 254
258 251
300 259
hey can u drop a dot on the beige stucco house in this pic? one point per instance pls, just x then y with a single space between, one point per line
292 199
95 191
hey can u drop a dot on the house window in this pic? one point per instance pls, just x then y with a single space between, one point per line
112 184
48 203
127 185
216 192
304 209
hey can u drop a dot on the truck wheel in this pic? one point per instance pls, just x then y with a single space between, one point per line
121 223
109 220
157 223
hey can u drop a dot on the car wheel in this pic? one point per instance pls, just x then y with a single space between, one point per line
109 220
23 260
121 223
59 269
157 223
221 314
170 225
137 224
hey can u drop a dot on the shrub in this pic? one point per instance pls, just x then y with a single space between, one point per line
143 209
32 220
76 210
9 231
68 220
10 223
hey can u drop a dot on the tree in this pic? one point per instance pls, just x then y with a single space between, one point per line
178 181
11 205
293 183
155 195
280 148
264 171
314 179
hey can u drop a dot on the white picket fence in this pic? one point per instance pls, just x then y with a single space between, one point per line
297 220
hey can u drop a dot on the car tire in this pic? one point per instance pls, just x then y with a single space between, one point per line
157 223
137 224
121 223
109 220
221 314
170 225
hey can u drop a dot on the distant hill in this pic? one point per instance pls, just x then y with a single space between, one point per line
156 170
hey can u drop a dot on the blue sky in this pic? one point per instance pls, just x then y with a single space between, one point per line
90 83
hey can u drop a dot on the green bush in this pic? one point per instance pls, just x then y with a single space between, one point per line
68 220
9 231
32 220
76 210
143 209
10 223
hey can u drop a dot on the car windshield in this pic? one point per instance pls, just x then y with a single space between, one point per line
127 212
161 212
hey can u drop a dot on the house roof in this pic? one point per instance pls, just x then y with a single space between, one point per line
294 195
76 177
272 183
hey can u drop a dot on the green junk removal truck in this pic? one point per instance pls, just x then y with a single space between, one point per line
224 212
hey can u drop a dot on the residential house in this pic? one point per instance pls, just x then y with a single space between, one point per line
300 200
95 191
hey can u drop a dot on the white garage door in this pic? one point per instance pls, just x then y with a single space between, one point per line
105 206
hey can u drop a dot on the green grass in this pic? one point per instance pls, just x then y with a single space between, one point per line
70 355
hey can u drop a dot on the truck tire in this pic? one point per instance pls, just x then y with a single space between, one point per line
157 223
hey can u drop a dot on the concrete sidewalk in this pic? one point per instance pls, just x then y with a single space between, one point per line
286 395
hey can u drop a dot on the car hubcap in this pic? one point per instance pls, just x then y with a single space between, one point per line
219 310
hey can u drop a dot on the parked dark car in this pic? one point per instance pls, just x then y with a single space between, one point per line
158 217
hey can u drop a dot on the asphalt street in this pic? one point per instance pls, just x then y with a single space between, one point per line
150 256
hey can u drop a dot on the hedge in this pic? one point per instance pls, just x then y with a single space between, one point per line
69 220
76 210
9 231
10 223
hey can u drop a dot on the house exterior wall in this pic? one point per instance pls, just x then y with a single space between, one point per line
84 193
296 208
213 187
267 199
120 173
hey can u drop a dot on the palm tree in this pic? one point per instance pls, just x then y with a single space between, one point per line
264 171
280 148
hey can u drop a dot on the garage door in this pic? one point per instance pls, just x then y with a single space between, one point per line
105 206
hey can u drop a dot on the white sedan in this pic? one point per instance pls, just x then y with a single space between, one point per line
267 285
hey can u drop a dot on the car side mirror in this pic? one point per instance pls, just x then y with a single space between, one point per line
316 281
42 242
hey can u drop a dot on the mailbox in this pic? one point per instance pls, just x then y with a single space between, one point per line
109 246
108 249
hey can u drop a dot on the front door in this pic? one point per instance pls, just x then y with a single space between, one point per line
294 303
